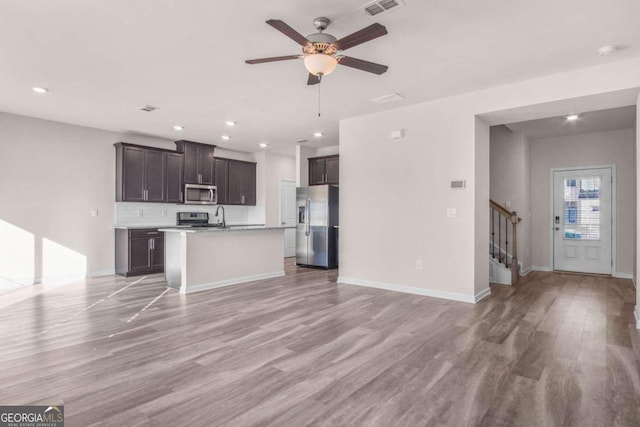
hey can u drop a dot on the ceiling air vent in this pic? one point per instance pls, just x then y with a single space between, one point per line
148 108
381 6
385 99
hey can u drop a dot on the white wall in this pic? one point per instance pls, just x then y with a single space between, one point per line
302 164
510 182
328 151
278 168
637 235
394 194
593 149
51 176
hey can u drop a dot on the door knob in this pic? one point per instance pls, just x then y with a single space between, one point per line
557 228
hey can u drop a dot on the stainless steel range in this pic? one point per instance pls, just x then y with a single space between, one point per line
194 219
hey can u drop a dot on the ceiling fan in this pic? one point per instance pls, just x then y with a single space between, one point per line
322 52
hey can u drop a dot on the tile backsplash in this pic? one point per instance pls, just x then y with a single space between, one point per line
164 214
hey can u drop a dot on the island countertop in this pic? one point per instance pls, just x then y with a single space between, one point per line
221 230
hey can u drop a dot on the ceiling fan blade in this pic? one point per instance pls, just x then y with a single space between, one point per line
313 80
272 59
371 32
289 32
363 65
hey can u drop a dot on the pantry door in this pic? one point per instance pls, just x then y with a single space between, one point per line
582 220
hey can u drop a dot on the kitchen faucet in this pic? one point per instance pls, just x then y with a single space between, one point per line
224 224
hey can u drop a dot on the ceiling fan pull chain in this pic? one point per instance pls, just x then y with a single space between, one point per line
319 84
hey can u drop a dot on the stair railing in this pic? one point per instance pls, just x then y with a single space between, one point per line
505 222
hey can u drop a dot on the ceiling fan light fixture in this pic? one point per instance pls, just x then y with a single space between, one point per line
320 64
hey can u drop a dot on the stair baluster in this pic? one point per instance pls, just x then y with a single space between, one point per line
501 249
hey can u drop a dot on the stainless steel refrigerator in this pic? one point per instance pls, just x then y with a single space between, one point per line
317 226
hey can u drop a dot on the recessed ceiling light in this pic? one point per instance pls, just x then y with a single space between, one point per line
263 144
225 137
178 127
572 117
318 134
230 123
38 89
607 50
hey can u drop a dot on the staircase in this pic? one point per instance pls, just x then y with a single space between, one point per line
503 249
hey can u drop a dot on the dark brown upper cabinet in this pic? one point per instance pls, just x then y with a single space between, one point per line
198 162
324 170
142 175
242 183
173 183
236 182
221 172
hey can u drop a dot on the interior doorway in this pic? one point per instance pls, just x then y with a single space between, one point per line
583 220
288 216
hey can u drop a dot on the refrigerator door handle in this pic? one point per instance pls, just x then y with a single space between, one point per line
307 218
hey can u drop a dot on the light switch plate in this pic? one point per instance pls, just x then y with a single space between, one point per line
452 212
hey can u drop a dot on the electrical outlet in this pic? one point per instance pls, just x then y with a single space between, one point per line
419 264
94 212
164 212
140 213
452 212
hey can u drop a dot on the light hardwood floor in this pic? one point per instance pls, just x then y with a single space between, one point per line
300 350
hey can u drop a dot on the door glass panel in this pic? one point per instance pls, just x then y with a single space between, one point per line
582 208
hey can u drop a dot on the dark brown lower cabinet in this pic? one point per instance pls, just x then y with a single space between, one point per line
139 251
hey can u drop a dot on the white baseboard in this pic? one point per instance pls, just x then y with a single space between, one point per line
413 290
230 282
482 295
636 314
540 268
100 273
623 276
526 271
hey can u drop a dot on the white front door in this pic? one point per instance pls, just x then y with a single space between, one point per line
288 216
582 220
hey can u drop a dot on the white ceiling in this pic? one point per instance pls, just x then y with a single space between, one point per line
104 60
588 122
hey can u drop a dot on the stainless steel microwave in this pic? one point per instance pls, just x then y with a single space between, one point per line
198 194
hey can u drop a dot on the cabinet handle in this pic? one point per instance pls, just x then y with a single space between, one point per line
210 195
180 196
242 199
199 178
149 252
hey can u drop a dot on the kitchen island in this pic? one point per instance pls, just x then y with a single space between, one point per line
206 258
